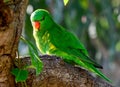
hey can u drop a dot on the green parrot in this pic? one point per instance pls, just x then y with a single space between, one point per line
53 39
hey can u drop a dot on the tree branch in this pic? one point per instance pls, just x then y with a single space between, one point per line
57 73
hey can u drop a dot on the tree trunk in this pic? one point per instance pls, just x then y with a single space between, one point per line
11 22
57 73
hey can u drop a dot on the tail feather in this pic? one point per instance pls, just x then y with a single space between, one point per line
86 65
98 66
92 68
99 73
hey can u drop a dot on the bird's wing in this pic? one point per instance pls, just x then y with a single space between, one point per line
67 42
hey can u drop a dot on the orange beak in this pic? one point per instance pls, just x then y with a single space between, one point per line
36 24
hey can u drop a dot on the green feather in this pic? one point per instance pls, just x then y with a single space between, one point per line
53 39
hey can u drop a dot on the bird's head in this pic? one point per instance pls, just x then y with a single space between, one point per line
41 19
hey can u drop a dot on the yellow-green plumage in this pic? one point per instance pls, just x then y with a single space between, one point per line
53 39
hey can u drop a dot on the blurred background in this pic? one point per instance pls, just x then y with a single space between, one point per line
95 22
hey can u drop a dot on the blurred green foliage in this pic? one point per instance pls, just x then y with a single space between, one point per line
95 22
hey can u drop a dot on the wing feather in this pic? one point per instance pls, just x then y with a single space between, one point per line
69 44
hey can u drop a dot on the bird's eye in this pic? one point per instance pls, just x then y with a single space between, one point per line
43 18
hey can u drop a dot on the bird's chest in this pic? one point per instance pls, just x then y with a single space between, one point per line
43 42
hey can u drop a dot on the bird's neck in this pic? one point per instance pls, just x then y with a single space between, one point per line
41 39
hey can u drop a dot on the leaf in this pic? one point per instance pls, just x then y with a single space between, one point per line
65 2
84 4
20 75
35 60
6 1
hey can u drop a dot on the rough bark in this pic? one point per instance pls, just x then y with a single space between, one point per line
57 73
11 22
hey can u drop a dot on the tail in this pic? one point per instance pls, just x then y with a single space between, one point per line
87 66
99 73
92 68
